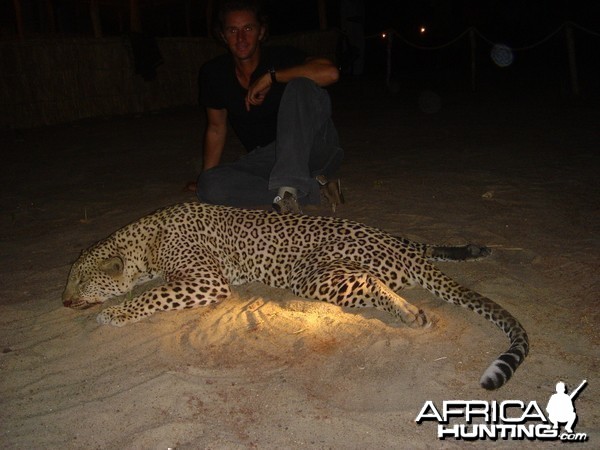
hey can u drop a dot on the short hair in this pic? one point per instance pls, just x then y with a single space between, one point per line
254 6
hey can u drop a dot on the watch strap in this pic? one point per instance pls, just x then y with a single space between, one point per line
273 75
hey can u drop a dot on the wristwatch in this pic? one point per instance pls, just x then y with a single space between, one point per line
273 76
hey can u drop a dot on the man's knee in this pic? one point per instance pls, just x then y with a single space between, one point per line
303 96
302 87
302 83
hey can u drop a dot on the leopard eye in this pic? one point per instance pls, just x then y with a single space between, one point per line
83 278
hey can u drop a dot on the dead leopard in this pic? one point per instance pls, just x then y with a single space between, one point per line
201 250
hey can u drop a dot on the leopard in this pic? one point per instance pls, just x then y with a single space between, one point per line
198 251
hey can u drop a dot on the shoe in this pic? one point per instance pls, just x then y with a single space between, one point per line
288 204
331 191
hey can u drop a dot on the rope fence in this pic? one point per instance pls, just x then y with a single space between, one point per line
501 54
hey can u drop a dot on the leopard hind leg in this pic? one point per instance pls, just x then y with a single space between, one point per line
348 283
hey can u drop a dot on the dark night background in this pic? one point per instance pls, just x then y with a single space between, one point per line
519 22
514 23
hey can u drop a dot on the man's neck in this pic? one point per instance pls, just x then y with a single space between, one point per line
244 68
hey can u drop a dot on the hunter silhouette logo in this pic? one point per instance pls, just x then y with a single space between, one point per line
507 419
560 407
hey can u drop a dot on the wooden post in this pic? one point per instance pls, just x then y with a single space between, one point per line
572 59
95 16
209 17
19 18
120 18
388 78
473 57
322 15
135 22
188 19
51 19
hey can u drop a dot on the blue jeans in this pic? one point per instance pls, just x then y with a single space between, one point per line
306 146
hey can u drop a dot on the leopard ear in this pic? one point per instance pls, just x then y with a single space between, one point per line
112 266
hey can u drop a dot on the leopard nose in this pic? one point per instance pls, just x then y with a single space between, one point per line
67 299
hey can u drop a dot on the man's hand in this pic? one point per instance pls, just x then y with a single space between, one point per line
258 90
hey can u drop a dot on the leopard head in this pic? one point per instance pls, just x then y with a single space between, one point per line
94 278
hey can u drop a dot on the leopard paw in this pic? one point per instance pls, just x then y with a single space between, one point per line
412 316
421 319
114 315
417 320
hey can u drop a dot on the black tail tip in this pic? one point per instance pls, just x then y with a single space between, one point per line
493 378
489 384
475 251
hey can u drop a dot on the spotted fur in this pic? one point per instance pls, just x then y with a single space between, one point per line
201 250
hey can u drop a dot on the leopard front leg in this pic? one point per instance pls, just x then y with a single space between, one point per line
348 283
171 296
199 283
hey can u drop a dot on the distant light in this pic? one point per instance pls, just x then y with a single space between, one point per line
383 35
502 55
422 30
429 102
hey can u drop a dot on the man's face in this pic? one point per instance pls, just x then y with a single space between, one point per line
242 32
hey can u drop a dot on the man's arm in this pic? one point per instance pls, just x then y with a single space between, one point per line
214 137
321 70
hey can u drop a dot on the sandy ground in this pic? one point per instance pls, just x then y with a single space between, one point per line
270 370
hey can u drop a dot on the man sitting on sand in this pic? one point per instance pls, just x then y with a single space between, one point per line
273 97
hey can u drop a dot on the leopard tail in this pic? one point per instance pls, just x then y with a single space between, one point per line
502 369
468 252
431 252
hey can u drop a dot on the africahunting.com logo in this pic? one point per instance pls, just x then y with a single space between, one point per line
509 419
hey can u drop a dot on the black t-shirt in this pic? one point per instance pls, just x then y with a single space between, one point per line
220 89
